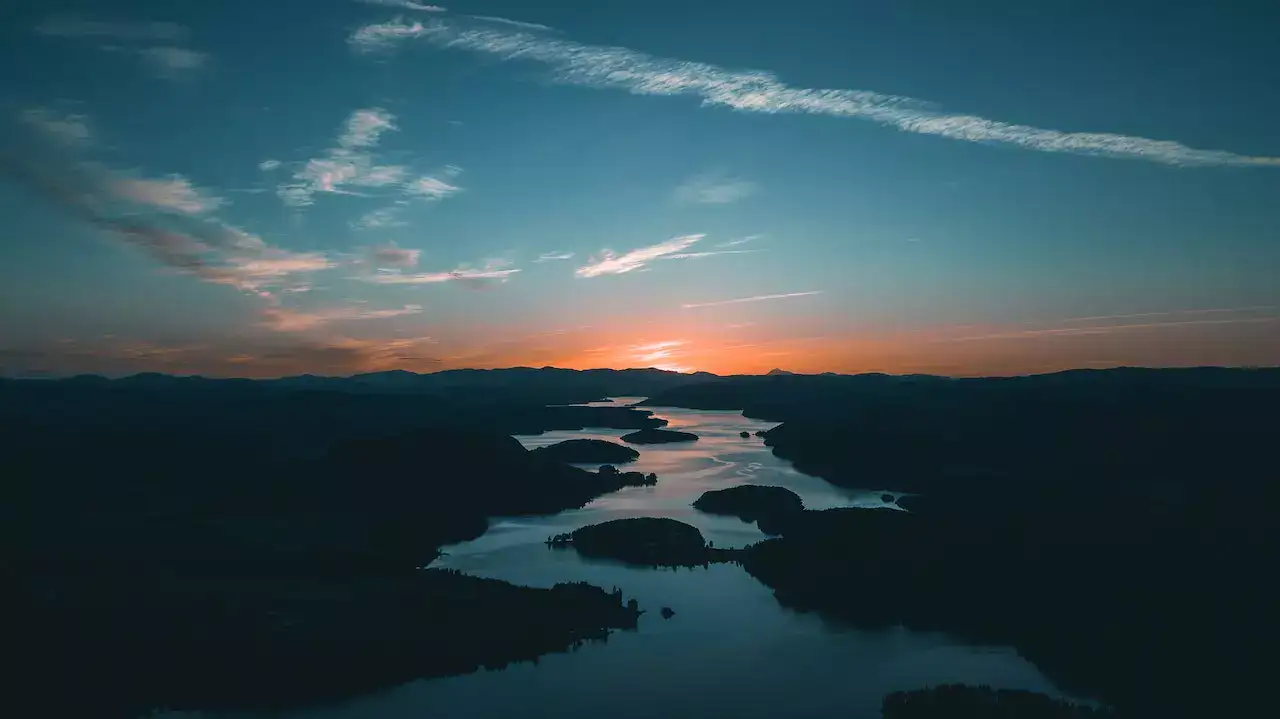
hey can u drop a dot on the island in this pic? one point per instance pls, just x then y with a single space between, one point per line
615 479
588 451
752 503
659 436
643 542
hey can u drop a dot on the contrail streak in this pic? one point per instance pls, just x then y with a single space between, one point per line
758 298
639 73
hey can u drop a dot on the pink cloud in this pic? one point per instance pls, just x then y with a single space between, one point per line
174 193
608 263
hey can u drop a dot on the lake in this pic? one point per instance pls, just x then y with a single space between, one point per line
730 649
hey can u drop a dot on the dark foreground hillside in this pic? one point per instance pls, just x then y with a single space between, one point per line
154 565
1112 526
1116 528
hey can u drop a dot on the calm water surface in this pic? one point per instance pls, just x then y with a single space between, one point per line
729 651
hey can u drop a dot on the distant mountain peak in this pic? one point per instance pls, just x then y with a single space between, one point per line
776 372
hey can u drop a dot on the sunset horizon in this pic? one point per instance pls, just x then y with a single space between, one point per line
401 185
623 359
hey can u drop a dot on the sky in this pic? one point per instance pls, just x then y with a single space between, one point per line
906 186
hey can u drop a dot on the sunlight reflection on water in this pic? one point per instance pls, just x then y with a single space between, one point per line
730 650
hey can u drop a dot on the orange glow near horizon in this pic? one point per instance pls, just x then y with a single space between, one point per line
742 348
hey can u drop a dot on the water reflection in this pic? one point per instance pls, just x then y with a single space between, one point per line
730 649
720 458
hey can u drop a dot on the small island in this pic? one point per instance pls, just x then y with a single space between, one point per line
588 451
626 479
658 436
750 502
642 542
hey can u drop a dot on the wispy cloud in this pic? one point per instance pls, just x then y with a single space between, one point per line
405 5
1249 317
351 163
174 194
1256 308
72 130
763 92
269 165
381 36
428 278
513 23
713 190
657 352
168 220
392 257
381 219
174 62
269 266
712 253
554 256
757 298
1110 329
491 271
133 31
365 127
154 42
263 355
431 188
287 320
739 241
609 263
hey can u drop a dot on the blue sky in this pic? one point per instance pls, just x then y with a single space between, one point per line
340 186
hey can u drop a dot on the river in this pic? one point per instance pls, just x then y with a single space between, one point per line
729 651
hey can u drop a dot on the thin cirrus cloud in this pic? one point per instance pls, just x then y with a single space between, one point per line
513 23
737 242
174 194
609 263
757 91
757 298
66 129
169 221
287 320
75 27
1109 329
492 271
554 256
657 351
365 127
380 219
1248 317
431 188
351 163
710 253
393 257
154 42
405 5
711 190
171 62
1255 308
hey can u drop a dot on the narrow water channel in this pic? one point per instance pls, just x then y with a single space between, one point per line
729 651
